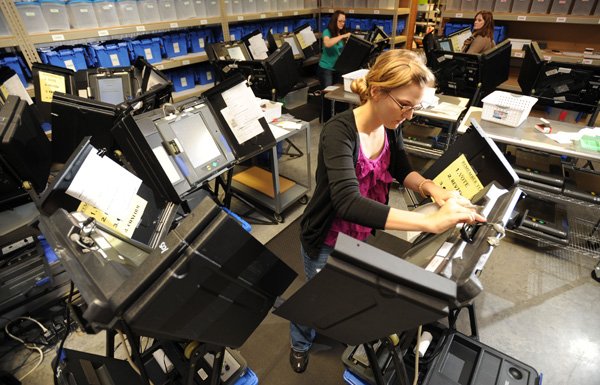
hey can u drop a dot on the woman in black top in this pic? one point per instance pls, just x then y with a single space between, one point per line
360 151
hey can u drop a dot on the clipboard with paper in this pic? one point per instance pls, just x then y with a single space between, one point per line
119 202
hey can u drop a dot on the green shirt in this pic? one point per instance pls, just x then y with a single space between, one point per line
330 55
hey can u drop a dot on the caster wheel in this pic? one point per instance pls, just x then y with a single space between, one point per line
278 218
595 276
303 200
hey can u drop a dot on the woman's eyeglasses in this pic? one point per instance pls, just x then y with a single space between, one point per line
405 109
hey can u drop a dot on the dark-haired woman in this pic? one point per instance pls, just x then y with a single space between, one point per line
333 43
482 38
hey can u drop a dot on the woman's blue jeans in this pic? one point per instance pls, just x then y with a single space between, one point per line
302 336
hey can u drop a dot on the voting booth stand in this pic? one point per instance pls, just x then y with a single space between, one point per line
366 297
198 285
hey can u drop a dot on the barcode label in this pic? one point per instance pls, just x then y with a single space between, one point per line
176 47
185 62
148 53
174 25
70 65
103 32
183 82
521 18
58 37
140 28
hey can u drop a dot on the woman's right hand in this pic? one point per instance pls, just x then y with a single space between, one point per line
450 214
347 35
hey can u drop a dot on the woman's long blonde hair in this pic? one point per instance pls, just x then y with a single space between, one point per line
392 69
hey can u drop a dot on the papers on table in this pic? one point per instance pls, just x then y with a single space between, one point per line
568 137
306 37
258 48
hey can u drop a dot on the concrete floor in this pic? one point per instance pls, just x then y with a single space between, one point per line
541 308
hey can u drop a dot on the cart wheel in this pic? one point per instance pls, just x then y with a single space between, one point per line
303 199
278 218
595 276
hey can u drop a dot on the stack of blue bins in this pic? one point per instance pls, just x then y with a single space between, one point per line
74 58
111 54
149 48
17 64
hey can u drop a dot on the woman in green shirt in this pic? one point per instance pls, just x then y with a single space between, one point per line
333 43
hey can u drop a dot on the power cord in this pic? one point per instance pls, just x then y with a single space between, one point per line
29 346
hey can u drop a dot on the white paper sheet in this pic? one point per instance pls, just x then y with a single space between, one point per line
14 86
258 48
235 53
102 183
306 37
242 112
277 131
290 40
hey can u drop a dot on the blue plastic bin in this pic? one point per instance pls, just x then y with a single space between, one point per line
499 33
109 55
150 49
197 40
249 378
182 79
18 65
175 44
204 74
351 379
74 58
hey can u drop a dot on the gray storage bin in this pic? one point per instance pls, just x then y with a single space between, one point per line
200 8
468 5
561 7
583 7
329 3
373 4
266 5
249 6
540 6
213 8
521 6
502 5
360 3
485 5
453 5
597 11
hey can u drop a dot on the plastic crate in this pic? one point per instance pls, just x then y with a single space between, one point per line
213 9
184 9
468 5
18 65
506 108
182 79
249 6
197 40
249 378
499 33
561 7
106 13
502 5
166 10
149 49
148 10
583 7
265 5
128 12
175 44
352 379
31 14
204 75
55 14
540 6
73 58
349 77
200 8
110 55
82 14
521 6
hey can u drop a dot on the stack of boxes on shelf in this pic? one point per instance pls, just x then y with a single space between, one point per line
356 23
43 16
557 7
372 4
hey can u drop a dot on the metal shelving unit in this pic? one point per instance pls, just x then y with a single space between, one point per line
566 19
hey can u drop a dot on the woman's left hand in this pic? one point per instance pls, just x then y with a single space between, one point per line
440 195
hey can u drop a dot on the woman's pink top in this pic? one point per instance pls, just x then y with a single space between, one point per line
374 182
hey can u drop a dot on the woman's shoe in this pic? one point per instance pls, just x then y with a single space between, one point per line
298 360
